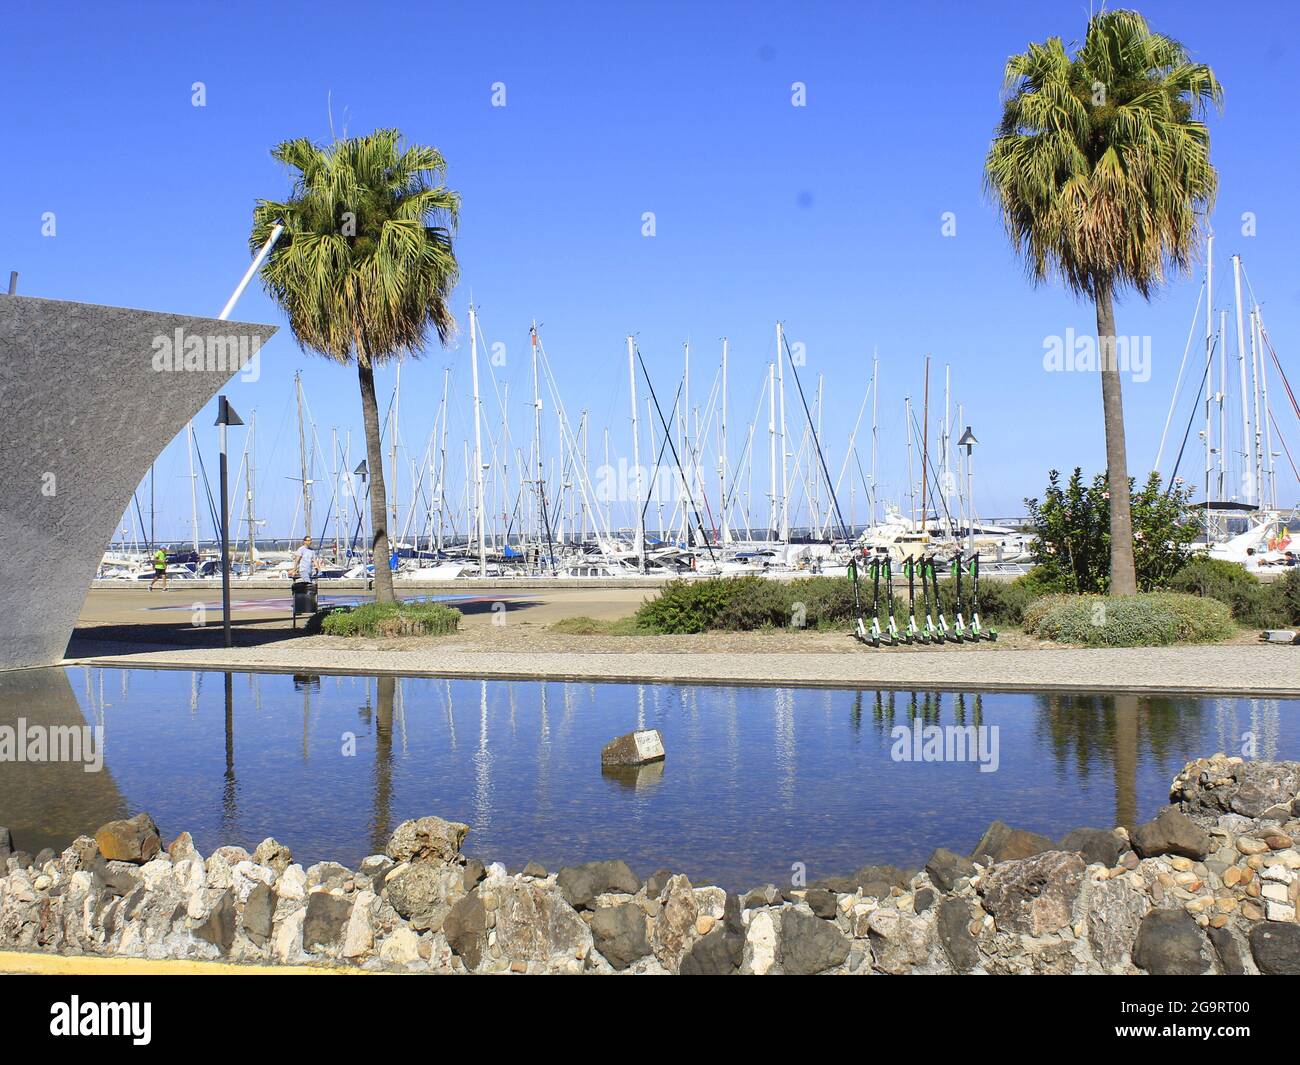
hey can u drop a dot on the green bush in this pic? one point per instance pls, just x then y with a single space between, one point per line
1252 602
1287 591
387 619
1148 620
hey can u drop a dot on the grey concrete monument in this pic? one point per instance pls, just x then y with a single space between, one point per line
89 396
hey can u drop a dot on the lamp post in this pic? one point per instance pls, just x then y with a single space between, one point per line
968 441
226 416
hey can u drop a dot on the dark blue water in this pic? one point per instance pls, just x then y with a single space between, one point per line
756 779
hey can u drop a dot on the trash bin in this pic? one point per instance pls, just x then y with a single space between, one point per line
304 598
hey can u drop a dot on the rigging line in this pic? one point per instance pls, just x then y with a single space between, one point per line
676 458
1173 402
1286 384
1282 441
663 444
934 479
821 457
1173 476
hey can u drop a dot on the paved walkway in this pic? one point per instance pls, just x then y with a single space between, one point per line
1233 669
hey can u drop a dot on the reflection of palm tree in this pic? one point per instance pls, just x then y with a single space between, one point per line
229 805
383 814
1093 730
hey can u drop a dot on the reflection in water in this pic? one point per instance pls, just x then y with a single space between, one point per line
755 778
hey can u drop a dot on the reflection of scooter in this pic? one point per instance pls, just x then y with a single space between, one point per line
914 634
978 630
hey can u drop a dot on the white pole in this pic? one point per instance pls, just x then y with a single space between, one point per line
480 517
1245 409
785 476
194 491
771 439
1209 355
263 252
1268 425
442 465
1254 381
638 543
947 465
875 395
722 460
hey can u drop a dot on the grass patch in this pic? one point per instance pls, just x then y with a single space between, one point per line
585 626
387 619
1153 619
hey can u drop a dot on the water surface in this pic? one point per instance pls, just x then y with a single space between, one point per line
756 779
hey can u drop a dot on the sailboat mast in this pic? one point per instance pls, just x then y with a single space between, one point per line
1241 365
785 475
479 516
723 502
1209 356
638 544
302 461
194 491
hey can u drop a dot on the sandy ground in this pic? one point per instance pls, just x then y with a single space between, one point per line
505 634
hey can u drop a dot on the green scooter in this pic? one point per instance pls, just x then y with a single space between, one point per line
979 631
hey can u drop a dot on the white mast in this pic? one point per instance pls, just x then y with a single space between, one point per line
194 491
638 544
537 444
947 466
1268 428
784 532
875 395
392 444
1245 410
1209 355
722 457
1258 442
478 447
442 464
771 439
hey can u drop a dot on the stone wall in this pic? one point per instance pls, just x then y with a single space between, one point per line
1209 886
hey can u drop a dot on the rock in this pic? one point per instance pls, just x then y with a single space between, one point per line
1169 943
418 889
535 924
286 945
953 925
259 914
634 749
120 878
292 883
619 933
535 870
466 929
79 855
359 935
402 947
582 883
182 847
233 855
6 844
218 928
923 899
1095 845
273 854
1227 947
1171 832
473 872
1249 845
901 944
327 916
1252 789
133 840
674 931
428 839
715 954
328 875
1033 895
762 896
1001 843
1276 948
759 957
656 882
947 867
810 945
823 903
1114 911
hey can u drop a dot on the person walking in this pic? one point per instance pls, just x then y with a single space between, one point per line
159 569
304 562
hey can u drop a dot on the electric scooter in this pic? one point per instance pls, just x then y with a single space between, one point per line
976 627
942 632
892 635
914 633
960 628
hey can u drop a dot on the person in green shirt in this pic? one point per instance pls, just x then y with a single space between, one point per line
159 569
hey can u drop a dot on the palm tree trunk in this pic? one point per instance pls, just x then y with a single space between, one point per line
1123 578
378 494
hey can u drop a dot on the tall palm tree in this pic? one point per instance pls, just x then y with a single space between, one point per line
1101 168
364 267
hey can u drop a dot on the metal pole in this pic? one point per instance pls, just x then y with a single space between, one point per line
478 447
639 543
225 534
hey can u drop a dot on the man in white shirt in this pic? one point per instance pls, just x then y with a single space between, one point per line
304 561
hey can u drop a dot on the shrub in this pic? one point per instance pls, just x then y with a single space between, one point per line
688 606
1072 532
1252 602
388 619
1147 620
1287 591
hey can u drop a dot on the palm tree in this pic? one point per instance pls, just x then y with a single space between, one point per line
1101 169
364 267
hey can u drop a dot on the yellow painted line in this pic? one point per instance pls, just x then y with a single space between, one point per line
21 962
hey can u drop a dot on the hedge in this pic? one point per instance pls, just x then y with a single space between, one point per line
1148 620
387 619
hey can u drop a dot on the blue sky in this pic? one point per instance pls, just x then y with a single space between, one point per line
826 216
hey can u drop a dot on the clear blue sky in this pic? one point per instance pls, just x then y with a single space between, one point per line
826 216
